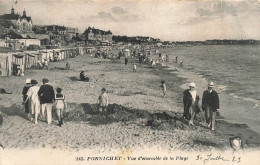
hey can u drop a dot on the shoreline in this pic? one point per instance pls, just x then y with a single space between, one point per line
235 109
244 131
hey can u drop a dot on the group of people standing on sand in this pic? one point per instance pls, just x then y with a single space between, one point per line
210 104
38 99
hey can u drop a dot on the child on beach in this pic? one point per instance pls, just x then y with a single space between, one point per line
67 66
32 96
126 61
134 67
25 90
60 105
103 101
153 63
163 87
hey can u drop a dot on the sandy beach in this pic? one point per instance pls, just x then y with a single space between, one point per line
139 117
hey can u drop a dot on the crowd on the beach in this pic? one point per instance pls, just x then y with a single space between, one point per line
40 99
210 99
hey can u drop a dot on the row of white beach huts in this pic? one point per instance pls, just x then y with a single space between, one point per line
17 63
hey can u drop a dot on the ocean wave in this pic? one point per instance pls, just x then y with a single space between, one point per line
222 87
256 102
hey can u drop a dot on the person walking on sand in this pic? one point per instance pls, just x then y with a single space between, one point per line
24 92
60 105
46 94
126 61
67 66
1 120
134 68
103 101
163 87
181 63
210 104
46 65
32 96
190 101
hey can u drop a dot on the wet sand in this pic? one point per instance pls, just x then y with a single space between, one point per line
139 116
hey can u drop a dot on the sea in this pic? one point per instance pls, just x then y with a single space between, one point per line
235 69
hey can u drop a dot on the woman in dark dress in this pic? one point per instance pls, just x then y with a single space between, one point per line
25 90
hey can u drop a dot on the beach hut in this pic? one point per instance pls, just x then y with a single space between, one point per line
5 64
45 55
72 53
66 53
126 52
90 49
51 55
56 55
30 60
81 50
19 63
62 54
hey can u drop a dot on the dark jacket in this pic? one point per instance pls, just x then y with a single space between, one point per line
210 100
26 105
82 76
46 94
187 102
25 90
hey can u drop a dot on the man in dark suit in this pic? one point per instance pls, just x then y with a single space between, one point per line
210 103
46 95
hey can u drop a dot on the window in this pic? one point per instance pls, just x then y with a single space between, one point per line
24 27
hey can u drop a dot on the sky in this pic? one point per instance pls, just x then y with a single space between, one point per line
171 20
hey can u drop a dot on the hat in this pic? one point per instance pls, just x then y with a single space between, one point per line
34 82
59 90
211 84
192 85
28 81
45 80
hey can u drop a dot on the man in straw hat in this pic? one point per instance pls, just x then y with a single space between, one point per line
210 103
190 101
